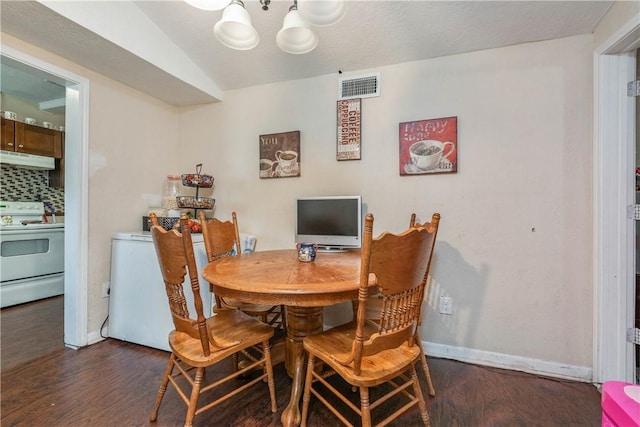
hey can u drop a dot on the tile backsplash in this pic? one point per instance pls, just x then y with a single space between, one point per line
26 185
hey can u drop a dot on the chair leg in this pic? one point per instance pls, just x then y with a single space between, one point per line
270 382
283 314
418 392
163 387
234 359
425 367
364 407
195 394
306 397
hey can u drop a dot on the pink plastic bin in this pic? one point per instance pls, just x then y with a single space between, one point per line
620 404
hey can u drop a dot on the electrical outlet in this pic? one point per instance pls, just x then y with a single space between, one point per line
106 289
446 305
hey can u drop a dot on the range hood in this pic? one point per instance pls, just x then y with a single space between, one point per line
27 161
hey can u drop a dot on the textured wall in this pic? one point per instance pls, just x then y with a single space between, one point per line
515 246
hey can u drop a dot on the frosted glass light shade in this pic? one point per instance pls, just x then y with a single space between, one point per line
322 12
295 36
208 4
234 29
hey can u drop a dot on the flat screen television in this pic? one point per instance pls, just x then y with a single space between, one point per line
334 223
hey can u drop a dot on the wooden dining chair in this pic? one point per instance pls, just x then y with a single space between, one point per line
374 303
435 222
221 239
198 343
371 353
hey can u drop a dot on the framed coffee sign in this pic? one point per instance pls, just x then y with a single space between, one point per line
348 146
280 155
429 146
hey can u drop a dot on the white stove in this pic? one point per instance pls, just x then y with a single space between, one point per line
31 254
25 215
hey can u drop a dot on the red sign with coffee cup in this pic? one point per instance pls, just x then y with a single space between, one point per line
429 146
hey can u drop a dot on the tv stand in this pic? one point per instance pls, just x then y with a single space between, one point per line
332 249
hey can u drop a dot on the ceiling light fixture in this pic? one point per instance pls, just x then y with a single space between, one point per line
322 13
295 36
235 30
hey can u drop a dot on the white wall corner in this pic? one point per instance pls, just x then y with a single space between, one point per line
95 337
112 21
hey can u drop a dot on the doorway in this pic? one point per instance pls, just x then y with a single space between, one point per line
614 160
76 192
637 226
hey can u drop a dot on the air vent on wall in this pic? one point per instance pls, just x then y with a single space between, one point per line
363 86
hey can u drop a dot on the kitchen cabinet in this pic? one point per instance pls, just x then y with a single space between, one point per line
38 140
24 138
56 176
8 141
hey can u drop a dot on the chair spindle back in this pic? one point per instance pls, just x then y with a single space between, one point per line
400 263
176 258
220 237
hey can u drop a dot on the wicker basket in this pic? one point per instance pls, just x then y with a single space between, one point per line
197 180
165 222
190 202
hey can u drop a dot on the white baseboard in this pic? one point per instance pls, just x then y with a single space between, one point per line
507 361
485 358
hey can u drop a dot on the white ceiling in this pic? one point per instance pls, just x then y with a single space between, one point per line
32 85
167 48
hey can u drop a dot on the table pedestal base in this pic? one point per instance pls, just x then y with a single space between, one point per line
301 321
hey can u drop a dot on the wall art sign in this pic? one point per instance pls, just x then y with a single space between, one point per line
349 118
280 155
429 146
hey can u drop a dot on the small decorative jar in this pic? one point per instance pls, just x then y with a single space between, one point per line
306 251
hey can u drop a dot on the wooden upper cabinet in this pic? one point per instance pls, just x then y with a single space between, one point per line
37 140
8 135
56 176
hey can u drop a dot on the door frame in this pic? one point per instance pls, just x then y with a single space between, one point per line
76 196
614 190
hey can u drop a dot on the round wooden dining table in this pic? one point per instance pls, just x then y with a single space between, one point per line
277 277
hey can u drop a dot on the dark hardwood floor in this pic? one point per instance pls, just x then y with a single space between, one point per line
30 331
114 383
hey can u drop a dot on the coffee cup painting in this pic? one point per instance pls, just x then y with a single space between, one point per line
280 155
429 146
